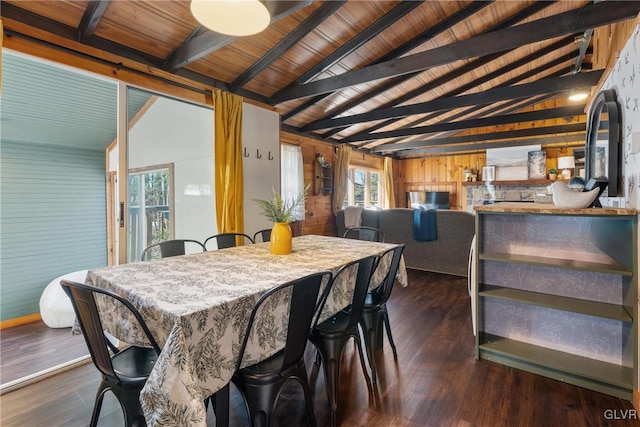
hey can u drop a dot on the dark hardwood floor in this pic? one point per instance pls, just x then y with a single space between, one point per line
34 347
436 381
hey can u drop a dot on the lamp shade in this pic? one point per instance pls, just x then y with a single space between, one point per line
232 17
566 162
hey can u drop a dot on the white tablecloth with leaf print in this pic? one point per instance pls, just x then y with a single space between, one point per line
197 307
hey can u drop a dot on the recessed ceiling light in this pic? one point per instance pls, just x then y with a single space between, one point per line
578 95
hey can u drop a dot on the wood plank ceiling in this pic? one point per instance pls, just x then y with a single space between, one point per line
401 78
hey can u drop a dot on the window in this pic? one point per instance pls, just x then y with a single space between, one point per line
291 175
365 188
149 208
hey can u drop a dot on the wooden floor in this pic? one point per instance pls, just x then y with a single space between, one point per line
436 381
34 347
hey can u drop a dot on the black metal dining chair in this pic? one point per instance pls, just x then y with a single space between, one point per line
265 235
374 311
227 240
170 248
371 234
124 370
331 335
261 383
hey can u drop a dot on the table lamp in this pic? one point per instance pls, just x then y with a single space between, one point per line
566 164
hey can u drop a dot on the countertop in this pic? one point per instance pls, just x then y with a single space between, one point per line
548 208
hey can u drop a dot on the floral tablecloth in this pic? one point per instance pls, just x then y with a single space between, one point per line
197 307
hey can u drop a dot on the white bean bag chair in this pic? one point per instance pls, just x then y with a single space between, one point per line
55 307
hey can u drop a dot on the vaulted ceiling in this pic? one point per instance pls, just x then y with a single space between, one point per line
403 78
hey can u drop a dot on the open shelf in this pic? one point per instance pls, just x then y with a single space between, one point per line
591 308
323 182
582 371
545 271
611 267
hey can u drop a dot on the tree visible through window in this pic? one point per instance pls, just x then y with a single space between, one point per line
149 209
364 188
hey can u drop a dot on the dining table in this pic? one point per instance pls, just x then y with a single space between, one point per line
197 307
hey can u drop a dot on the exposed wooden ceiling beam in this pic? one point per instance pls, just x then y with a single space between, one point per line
583 49
482 111
550 113
91 17
491 136
473 65
545 86
502 107
448 77
360 39
319 15
571 140
590 16
211 41
431 32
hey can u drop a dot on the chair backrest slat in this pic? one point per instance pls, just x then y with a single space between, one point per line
365 268
371 234
87 313
227 240
169 248
387 284
265 235
303 298
84 304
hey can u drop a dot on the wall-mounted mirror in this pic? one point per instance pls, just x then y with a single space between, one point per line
603 141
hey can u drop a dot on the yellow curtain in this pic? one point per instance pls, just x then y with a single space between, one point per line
390 200
228 162
340 175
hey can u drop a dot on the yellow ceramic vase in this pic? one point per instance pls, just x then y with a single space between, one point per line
281 239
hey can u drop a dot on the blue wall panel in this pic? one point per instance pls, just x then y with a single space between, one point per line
52 219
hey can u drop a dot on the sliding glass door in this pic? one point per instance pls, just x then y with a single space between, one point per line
169 174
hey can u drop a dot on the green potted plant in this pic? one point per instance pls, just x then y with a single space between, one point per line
553 173
281 211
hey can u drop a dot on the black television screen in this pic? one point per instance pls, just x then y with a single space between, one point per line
428 199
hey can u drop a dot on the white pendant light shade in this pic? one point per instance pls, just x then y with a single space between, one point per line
231 17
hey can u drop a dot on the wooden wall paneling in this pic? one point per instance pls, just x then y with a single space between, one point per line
319 217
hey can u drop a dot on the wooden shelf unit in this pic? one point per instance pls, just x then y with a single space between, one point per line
531 294
323 179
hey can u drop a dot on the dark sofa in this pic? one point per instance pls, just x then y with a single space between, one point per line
448 254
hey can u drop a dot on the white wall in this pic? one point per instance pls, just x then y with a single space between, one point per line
624 78
176 132
260 131
180 133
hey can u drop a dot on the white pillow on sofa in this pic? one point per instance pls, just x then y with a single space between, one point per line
55 307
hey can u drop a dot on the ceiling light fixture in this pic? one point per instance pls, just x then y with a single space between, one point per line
232 17
578 95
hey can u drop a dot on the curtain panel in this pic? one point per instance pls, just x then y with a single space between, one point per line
292 178
390 199
228 162
341 177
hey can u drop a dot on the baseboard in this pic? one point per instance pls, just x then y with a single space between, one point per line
9 323
636 400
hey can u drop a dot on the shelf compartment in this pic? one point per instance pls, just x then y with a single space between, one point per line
577 370
591 308
611 267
